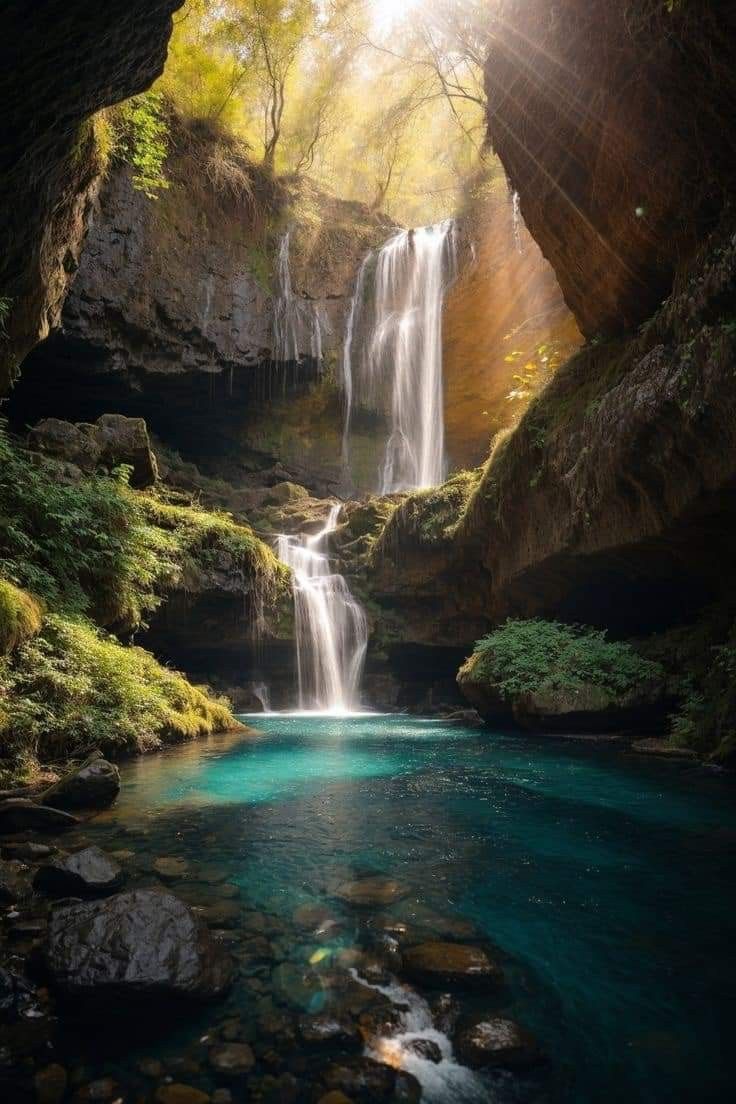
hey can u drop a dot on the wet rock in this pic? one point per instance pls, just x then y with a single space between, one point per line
456 965
446 1012
50 1084
495 1041
27 850
151 1067
180 1094
211 873
375 892
86 873
421 917
368 1082
222 1096
258 949
19 814
425 1048
15 994
315 917
329 1030
103 1089
232 1059
335 1097
141 945
94 785
299 988
171 869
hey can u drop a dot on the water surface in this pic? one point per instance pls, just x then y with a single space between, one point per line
605 879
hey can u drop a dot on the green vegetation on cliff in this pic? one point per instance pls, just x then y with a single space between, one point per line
524 657
78 553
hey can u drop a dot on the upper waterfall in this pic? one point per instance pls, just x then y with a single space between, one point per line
392 355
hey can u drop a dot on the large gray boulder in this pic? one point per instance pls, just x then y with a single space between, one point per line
112 440
142 945
94 785
87 873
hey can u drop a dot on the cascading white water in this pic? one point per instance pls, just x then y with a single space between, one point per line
393 344
331 627
297 322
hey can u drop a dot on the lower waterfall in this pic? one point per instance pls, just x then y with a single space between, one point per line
331 626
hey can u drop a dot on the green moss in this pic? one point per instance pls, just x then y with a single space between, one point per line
74 687
532 656
21 616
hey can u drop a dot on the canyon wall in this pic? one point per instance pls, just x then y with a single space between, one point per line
48 162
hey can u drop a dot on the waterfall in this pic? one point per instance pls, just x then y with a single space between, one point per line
297 322
331 627
393 349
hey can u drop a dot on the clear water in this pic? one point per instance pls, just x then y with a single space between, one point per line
606 880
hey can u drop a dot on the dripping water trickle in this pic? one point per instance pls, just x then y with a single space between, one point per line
331 627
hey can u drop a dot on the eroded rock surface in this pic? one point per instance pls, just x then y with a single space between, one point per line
95 784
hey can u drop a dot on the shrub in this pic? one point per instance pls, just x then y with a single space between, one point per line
21 616
527 656
74 687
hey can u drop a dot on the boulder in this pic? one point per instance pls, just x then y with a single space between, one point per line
425 1048
326 1030
283 494
125 441
494 1041
373 892
143 945
94 785
111 441
86 873
27 850
452 965
19 814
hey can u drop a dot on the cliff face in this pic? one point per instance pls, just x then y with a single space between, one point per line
173 314
505 307
614 123
48 165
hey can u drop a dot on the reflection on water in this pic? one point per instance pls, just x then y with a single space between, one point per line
606 881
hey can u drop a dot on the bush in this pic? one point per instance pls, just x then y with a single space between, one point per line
529 656
84 546
21 616
74 687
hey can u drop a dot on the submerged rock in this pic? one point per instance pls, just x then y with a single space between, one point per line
452 964
170 869
19 814
142 945
87 873
180 1094
27 850
496 1042
373 892
94 785
330 1031
232 1059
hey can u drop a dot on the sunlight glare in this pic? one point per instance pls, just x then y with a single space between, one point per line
385 13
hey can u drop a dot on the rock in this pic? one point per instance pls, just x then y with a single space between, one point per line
223 914
171 869
425 1048
150 1067
75 444
104 1088
315 917
445 1013
222 1096
662 748
13 886
180 1094
94 785
27 850
15 993
335 1097
496 1042
50 1084
283 494
141 945
86 873
366 1081
374 892
329 1030
422 917
452 964
232 1059
125 441
18 814
471 718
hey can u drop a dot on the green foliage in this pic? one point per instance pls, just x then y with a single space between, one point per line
527 656
73 687
143 141
21 616
83 545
